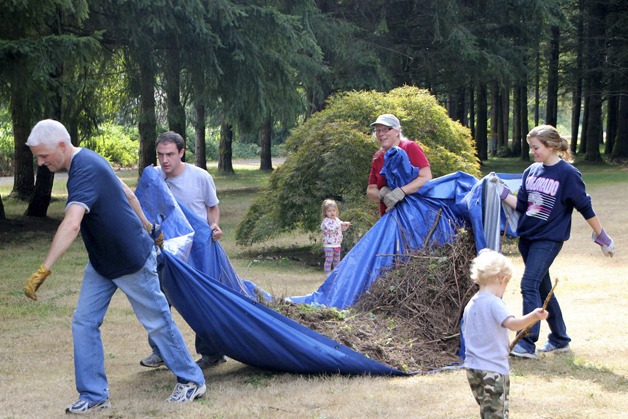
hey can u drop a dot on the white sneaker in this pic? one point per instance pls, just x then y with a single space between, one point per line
82 407
549 347
519 352
186 392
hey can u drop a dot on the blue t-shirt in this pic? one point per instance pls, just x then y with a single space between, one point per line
485 337
115 240
546 200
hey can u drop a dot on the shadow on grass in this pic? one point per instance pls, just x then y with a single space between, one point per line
308 255
569 365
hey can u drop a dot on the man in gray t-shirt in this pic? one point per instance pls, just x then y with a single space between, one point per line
194 188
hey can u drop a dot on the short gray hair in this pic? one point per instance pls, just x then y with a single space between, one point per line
49 133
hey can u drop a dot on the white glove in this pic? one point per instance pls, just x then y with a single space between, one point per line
392 198
500 187
606 243
383 192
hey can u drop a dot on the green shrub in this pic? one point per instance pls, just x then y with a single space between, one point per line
115 143
330 155
7 152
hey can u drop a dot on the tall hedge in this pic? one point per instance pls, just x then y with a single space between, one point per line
330 157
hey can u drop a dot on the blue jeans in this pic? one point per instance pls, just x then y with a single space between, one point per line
202 347
536 284
150 307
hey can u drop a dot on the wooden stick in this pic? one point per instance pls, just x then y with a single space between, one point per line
526 330
429 234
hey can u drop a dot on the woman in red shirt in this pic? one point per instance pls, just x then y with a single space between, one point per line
387 130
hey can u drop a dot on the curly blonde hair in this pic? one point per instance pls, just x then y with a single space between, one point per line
490 266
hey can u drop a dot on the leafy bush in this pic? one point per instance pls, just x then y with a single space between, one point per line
330 155
6 153
331 163
116 144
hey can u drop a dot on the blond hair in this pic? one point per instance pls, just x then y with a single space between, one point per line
550 138
490 266
329 203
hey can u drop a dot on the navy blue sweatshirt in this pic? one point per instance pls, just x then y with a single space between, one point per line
546 200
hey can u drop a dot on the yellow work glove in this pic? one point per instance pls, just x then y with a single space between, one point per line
159 240
156 234
34 282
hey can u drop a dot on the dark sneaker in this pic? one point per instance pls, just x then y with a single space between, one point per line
81 407
519 352
152 361
549 347
186 392
207 361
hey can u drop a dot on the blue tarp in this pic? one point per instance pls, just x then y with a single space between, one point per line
398 232
252 333
221 308
216 303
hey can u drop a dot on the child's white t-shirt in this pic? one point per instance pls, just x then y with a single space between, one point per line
485 339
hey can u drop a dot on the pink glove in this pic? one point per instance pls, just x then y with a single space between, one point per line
500 187
605 241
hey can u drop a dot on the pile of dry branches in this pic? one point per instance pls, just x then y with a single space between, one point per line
409 319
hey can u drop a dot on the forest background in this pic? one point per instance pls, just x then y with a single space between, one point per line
236 75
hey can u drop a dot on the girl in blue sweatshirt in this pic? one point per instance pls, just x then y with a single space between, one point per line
550 190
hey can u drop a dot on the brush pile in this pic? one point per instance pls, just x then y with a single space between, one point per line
409 319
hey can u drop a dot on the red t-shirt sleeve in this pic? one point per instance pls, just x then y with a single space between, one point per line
376 167
415 154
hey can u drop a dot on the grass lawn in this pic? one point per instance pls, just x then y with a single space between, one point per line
36 367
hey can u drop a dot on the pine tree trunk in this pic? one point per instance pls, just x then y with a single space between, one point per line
585 123
225 150
23 175
612 105
38 205
576 105
482 123
595 76
516 120
265 141
576 100
494 111
200 158
525 147
176 112
620 147
505 114
147 118
551 116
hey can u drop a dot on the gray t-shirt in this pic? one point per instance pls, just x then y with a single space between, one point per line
194 188
485 338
